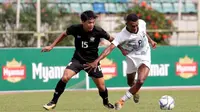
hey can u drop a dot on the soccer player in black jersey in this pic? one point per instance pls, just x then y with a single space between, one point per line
87 38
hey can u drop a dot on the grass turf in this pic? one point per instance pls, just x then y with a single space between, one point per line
90 101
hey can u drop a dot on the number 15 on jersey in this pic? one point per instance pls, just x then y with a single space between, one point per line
84 44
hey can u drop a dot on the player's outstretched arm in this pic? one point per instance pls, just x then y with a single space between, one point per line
106 52
94 64
58 39
153 43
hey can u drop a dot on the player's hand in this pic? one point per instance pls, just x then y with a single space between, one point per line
153 44
90 66
124 52
47 49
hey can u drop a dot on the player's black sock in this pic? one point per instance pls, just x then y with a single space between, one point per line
104 96
60 87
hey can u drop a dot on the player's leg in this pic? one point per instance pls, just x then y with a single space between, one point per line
143 72
98 79
131 78
131 81
60 87
131 73
103 92
71 70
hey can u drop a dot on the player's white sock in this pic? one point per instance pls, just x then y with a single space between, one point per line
127 96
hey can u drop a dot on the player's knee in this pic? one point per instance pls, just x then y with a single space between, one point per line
101 87
141 81
65 78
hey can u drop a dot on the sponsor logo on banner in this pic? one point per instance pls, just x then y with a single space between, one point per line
109 68
159 70
45 73
156 70
186 67
14 71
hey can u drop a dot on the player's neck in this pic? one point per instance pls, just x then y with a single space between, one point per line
85 29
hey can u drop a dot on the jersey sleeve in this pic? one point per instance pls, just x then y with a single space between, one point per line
104 34
71 30
145 29
117 40
143 24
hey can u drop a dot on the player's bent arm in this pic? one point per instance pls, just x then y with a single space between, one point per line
105 52
149 38
58 39
153 44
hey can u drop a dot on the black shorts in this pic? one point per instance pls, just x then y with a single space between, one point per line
77 66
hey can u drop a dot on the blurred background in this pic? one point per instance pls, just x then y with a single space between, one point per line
36 23
28 25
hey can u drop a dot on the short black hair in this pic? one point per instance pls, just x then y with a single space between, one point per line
87 15
131 17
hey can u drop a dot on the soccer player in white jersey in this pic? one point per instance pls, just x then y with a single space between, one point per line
134 42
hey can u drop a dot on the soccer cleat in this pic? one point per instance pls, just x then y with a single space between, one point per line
109 106
49 106
119 104
136 98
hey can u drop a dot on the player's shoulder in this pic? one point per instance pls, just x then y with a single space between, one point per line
141 22
122 33
98 28
75 26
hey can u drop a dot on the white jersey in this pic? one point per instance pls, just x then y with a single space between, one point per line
136 44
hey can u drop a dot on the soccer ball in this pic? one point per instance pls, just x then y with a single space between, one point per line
166 102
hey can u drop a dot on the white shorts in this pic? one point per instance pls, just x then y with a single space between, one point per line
134 63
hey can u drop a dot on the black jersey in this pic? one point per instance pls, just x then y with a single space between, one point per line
86 43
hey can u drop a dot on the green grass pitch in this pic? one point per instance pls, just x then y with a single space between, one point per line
89 101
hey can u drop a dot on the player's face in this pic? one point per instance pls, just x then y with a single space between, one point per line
89 25
132 26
